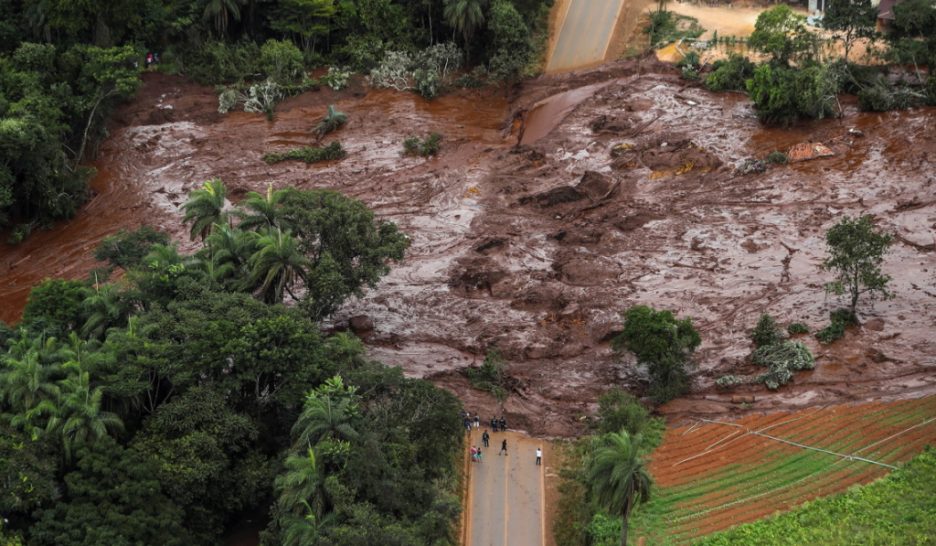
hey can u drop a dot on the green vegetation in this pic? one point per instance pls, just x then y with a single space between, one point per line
490 376
781 359
839 320
429 146
579 520
856 252
667 27
766 332
308 154
851 20
777 157
795 328
333 120
616 476
664 344
163 407
730 74
897 509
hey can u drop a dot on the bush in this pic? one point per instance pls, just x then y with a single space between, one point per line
333 120
777 157
219 62
766 332
689 66
782 359
839 320
336 78
730 74
262 97
281 61
413 146
751 166
619 410
127 249
797 328
664 344
227 100
666 27
782 95
728 381
490 376
882 97
309 154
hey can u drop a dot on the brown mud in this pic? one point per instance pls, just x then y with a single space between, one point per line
625 194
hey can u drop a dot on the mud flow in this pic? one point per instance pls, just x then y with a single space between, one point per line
624 192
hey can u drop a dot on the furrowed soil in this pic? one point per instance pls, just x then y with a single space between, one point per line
623 192
713 475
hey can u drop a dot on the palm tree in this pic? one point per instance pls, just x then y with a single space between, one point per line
221 12
105 308
227 253
464 16
205 208
325 416
82 420
277 265
28 387
617 477
302 487
263 209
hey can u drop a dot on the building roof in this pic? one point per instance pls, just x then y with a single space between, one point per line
886 9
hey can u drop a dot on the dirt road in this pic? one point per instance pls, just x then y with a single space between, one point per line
586 32
506 499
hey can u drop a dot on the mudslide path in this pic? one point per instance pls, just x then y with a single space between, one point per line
506 498
587 27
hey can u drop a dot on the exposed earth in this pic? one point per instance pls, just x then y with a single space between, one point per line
624 192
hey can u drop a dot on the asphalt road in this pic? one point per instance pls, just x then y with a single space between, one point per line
585 34
506 498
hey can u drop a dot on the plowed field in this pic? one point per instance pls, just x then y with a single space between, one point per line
713 475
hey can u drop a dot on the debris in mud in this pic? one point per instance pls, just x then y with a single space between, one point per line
751 166
805 151
488 244
361 324
474 274
611 124
553 197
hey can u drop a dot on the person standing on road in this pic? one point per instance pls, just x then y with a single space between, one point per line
486 439
477 421
494 424
539 456
474 454
479 452
503 450
503 424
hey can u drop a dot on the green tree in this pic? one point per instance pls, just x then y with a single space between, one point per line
664 344
226 255
281 61
221 12
329 412
465 17
82 420
114 496
511 42
851 19
302 499
618 410
104 308
781 33
126 249
617 477
766 332
307 20
55 306
856 252
205 208
277 265
258 211
783 95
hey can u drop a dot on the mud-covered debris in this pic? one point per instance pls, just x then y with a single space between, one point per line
751 166
611 124
855 132
361 324
805 151
553 197
594 185
475 274
742 399
489 243
636 221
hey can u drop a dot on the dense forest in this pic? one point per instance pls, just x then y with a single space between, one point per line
183 397
65 65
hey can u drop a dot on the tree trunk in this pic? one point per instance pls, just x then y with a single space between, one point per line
625 514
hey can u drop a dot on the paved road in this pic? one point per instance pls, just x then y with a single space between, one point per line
585 34
506 502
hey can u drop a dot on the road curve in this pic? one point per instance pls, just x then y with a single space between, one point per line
585 34
506 494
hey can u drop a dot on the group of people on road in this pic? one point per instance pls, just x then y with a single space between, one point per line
496 425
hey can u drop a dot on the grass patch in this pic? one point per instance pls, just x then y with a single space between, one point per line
427 147
898 509
667 27
309 154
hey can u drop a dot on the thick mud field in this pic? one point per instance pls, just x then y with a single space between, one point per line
623 193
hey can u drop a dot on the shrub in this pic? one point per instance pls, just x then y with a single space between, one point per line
781 360
262 97
281 61
797 328
227 100
730 74
839 320
751 166
882 97
664 344
336 78
689 65
220 62
490 376
127 249
413 146
728 381
619 410
783 95
331 122
309 154
777 157
766 332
